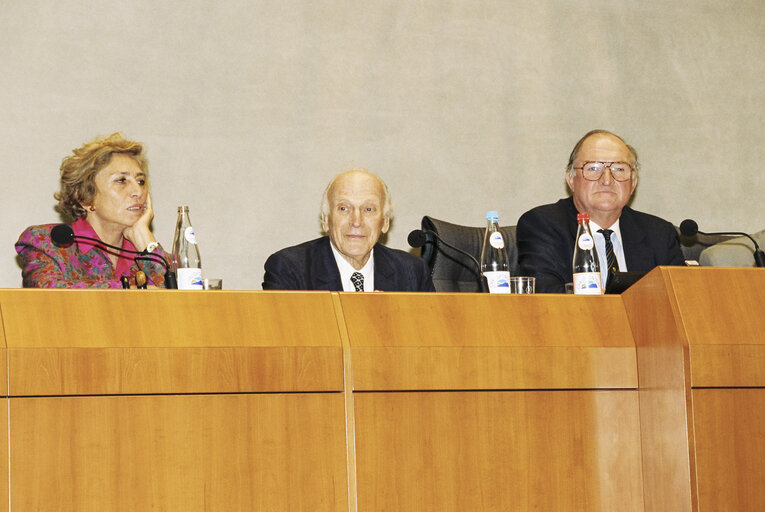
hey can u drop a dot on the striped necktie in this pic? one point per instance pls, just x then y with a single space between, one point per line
613 265
357 278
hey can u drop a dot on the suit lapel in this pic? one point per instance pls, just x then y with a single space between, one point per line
571 221
324 272
384 272
636 251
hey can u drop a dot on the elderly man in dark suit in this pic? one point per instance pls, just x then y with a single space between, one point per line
602 174
355 211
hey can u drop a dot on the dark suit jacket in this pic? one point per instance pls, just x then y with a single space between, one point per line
546 236
311 266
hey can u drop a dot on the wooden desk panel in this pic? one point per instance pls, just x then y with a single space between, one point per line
664 390
3 371
4 453
3 360
698 328
720 306
521 451
472 341
730 445
721 309
117 371
484 320
167 318
730 448
440 368
191 453
130 342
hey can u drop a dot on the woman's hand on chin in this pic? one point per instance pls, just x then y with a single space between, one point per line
139 233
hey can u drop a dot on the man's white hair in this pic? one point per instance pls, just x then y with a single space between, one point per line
387 204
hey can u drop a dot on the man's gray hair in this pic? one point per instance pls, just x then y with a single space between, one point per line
575 152
387 204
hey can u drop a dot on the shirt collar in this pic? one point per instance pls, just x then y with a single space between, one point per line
614 227
346 270
82 227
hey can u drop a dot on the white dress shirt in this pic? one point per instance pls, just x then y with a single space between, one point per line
346 270
600 246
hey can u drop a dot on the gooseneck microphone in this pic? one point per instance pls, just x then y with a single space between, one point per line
689 228
419 237
63 236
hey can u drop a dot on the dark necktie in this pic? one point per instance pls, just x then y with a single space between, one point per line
613 266
357 278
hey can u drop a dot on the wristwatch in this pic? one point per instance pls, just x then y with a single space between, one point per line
151 246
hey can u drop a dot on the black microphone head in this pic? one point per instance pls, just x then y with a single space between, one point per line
62 235
689 228
417 238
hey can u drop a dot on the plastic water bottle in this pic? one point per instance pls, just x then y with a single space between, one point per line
495 265
586 264
186 260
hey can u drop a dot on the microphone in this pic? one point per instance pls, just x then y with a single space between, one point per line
419 237
689 228
63 236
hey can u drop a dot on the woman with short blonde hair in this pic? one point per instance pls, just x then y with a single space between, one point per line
104 191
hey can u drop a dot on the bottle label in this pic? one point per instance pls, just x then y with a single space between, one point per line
585 242
499 282
587 283
189 235
496 240
189 278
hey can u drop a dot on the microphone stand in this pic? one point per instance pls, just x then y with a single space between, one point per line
690 228
483 283
171 282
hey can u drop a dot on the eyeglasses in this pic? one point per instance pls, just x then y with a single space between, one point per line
592 171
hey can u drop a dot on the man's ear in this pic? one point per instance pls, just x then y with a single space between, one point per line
570 180
324 223
386 225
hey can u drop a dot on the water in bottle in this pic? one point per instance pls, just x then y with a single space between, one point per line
586 265
186 260
495 265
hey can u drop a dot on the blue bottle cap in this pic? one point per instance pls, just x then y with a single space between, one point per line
492 216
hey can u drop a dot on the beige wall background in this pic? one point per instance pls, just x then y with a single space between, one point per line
248 108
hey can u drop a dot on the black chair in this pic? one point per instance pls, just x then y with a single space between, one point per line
452 271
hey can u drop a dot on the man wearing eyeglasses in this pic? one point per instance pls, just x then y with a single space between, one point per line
602 173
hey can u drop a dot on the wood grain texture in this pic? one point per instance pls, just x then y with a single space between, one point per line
348 396
106 371
722 320
727 365
3 356
730 449
476 341
433 368
4 454
665 394
191 453
167 318
127 342
499 451
720 306
3 371
483 320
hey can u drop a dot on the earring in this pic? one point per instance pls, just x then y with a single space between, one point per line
92 208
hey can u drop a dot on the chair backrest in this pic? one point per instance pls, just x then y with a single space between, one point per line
732 252
452 271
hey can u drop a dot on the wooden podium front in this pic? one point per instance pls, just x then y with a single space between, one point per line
700 335
478 402
193 401
169 400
